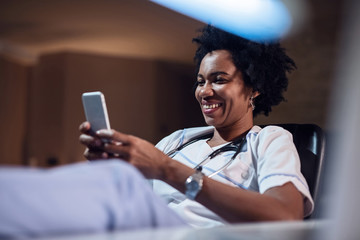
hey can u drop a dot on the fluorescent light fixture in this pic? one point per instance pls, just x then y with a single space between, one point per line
257 20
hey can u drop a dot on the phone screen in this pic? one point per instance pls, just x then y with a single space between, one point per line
95 110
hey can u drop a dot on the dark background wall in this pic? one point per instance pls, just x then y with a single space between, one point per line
40 107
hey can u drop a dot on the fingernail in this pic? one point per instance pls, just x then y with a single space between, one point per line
103 131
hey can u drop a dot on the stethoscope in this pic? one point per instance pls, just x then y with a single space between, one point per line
235 145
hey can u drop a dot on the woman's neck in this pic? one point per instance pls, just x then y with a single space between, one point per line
223 135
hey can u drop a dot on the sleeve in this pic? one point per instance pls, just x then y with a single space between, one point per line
171 141
279 163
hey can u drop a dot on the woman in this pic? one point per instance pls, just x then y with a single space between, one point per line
231 171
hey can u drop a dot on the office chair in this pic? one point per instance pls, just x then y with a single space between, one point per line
309 140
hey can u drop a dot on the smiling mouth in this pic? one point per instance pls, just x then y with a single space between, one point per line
211 106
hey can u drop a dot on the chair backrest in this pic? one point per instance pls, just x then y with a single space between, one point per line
309 140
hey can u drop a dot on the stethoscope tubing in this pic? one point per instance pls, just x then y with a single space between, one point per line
237 145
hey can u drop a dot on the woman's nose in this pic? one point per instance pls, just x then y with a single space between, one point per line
206 90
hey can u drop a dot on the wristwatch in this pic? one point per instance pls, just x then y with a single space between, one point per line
193 184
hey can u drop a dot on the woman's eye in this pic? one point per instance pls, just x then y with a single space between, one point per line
200 82
220 80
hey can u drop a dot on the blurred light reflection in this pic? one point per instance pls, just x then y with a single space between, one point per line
257 20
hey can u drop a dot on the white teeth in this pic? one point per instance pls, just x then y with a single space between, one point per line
210 106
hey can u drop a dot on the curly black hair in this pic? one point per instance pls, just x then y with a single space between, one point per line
263 65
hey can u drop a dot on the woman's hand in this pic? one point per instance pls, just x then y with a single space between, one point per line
94 145
138 152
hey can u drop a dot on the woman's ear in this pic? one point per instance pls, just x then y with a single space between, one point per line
254 94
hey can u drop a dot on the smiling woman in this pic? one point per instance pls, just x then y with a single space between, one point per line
230 171
263 66
221 92
236 80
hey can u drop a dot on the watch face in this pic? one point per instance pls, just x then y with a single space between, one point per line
193 185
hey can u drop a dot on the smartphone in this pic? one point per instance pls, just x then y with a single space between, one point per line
95 110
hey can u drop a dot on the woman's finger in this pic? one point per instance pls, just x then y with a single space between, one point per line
114 136
118 150
88 140
95 155
85 127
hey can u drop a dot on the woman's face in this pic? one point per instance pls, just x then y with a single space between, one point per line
224 99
